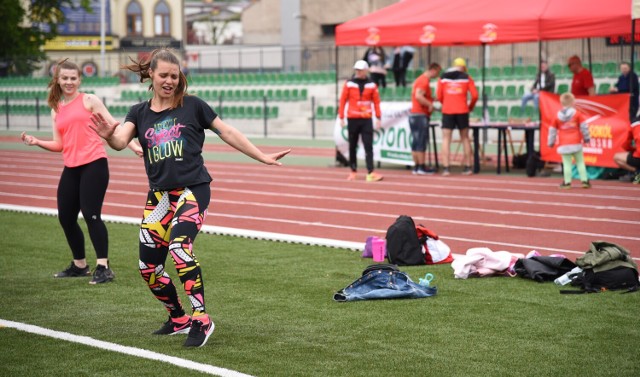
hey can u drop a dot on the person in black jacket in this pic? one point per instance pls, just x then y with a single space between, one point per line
628 83
545 80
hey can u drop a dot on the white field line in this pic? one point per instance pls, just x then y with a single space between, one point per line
289 238
214 201
131 351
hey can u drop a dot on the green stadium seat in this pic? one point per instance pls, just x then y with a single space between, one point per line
507 73
596 69
494 73
320 112
520 73
474 72
273 112
521 90
498 92
330 112
604 88
610 69
488 91
511 92
514 112
563 88
503 113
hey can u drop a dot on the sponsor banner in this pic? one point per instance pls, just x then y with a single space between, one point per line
608 126
78 43
391 143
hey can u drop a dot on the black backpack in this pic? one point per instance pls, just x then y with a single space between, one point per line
403 246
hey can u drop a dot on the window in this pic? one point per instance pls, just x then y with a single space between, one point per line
134 18
161 19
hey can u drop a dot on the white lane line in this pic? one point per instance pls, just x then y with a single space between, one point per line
215 201
280 237
114 347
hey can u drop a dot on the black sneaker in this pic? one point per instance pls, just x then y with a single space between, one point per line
102 274
586 184
73 271
172 328
199 333
564 186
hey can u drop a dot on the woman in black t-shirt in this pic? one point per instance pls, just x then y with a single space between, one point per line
171 129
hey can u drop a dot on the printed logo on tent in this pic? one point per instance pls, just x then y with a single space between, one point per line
594 108
428 34
489 34
374 36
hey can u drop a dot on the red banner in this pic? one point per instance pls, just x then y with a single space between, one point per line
608 126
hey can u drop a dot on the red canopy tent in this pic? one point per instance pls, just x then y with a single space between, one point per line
474 22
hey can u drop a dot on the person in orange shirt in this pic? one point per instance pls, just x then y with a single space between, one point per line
630 161
421 109
569 131
360 99
582 82
85 176
453 87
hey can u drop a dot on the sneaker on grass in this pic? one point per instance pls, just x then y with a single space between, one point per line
73 271
201 329
102 274
175 326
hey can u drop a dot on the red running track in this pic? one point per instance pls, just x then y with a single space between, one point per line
516 214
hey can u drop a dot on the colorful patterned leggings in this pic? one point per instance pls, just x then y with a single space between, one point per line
172 220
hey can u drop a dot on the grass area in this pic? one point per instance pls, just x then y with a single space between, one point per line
274 313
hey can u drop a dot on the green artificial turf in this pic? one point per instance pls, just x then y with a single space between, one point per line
274 314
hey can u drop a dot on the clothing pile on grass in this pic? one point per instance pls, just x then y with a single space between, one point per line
405 244
604 266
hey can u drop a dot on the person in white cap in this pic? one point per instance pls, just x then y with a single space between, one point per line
363 99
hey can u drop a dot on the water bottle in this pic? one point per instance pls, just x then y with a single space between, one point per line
568 277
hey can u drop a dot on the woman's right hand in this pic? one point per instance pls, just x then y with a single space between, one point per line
28 139
102 126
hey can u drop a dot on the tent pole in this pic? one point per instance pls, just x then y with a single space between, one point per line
337 75
484 96
632 84
589 53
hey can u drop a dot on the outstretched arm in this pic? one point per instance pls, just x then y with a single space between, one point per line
96 106
54 145
237 140
117 137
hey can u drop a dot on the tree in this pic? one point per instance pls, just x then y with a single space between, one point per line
23 32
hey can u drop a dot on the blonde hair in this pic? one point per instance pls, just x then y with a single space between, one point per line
142 67
55 91
567 99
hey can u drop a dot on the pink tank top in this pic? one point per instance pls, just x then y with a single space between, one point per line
80 144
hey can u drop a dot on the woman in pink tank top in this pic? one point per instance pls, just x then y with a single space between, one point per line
85 176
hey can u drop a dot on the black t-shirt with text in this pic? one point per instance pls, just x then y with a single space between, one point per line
172 142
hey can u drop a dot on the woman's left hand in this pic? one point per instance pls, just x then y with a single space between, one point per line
273 158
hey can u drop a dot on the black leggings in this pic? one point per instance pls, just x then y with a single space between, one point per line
360 127
82 189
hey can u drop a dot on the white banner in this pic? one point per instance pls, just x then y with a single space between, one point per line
391 143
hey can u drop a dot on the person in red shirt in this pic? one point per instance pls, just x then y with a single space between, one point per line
582 83
630 161
452 91
569 131
421 109
360 98
85 176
